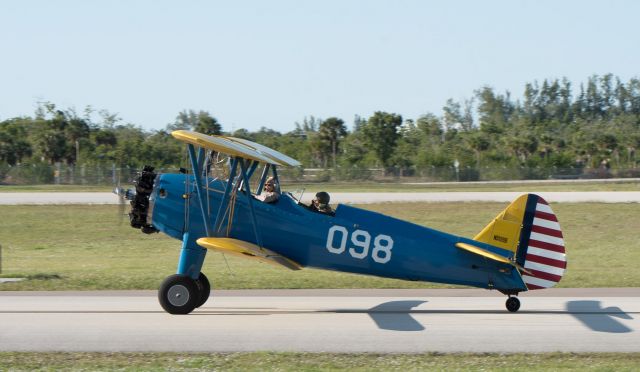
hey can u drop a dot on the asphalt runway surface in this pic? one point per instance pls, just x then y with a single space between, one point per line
39 198
458 320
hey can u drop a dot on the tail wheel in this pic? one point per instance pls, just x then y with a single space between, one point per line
513 304
204 289
178 294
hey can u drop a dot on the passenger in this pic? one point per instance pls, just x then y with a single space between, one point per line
320 204
270 194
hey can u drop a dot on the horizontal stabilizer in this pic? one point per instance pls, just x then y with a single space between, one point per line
483 252
247 250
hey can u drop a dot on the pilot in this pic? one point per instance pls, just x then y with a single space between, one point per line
269 194
320 204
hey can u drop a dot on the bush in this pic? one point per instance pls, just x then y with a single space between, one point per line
469 174
4 169
291 173
352 173
30 173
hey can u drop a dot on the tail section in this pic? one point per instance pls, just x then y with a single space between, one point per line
529 228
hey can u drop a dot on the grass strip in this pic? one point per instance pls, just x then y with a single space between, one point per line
274 361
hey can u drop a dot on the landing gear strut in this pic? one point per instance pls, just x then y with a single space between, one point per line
513 304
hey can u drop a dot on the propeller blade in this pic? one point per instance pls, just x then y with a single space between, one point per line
121 202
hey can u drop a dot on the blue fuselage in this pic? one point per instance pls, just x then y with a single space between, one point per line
354 240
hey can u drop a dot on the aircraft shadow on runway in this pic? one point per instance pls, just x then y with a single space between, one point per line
591 314
398 315
392 315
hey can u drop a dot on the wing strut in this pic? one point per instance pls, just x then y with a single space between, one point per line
225 198
275 177
197 170
263 178
247 188
253 168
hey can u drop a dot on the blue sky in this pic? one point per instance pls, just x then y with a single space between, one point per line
271 63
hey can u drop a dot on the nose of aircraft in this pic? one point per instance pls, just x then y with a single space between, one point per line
140 203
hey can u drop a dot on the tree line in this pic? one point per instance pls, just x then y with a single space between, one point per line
554 129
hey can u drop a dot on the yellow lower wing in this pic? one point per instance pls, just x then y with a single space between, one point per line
247 250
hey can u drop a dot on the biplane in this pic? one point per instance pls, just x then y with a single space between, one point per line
213 207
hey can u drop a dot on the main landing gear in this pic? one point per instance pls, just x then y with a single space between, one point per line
513 304
180 294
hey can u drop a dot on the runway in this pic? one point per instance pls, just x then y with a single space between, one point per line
40 198
464 320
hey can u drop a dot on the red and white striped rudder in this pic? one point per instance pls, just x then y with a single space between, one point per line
545 260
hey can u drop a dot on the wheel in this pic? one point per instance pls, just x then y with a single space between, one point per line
204 289
178 294
513 304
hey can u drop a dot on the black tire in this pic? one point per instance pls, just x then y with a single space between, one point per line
513 304
178 294
204 289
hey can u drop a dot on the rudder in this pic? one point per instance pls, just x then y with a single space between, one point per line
543 252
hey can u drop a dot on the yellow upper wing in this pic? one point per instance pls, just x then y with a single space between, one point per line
269 152
236 147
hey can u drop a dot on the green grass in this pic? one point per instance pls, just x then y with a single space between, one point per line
84 247
54 188
270 361
626 185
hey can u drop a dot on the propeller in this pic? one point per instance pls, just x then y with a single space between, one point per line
124 195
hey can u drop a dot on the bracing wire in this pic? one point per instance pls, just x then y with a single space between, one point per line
224 215
232 203
187 200
230 212
220 173
224 256
206 180
226 262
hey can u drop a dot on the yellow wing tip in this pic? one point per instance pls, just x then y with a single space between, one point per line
179 134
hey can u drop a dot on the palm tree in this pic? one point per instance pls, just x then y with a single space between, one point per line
331 133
